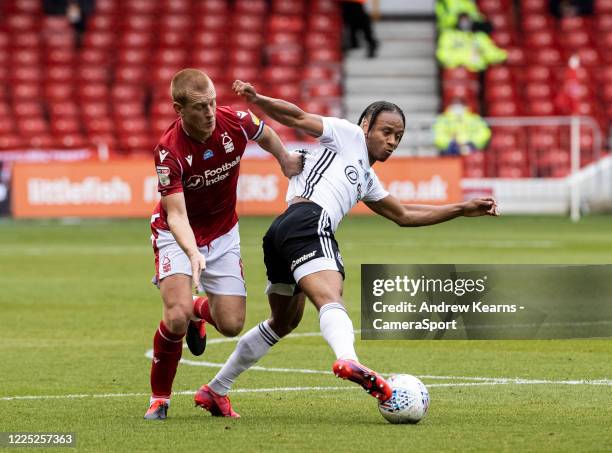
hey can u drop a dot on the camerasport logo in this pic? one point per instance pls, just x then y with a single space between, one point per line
166 265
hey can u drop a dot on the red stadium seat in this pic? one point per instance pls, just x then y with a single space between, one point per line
205 58
209 40
99 40
284 38
136 39
32 126
503 38
93 109
11 141
286 56
540 107
96 92
543 139
546 56
211 22
26 74
127 57
250 23
497 74
101 22
247 39
541 38
26 91
324 56
94 57
26 40
7 125
28 109
324 90
534 6
516 56
288 6
536 91
60 74
21 22
575 39
500 91
536 73
63 108
66 125
516 156
288 91
170 57
574 24
175 22
252 7
503 108
604 22
324 23
60 56
176 6
536 22
173 39
99 125
501 21
512 171
320 72
291 24
141 7
493 6
129 109
503 140
245 57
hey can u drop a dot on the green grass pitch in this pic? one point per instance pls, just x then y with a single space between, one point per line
78 314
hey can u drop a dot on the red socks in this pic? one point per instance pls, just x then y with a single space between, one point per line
202 310
167 350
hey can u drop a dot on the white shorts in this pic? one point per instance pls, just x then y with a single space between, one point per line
223 274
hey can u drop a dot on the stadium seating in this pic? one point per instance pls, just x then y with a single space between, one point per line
539 46
114 89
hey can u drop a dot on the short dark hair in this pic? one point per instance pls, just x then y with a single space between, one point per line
375 108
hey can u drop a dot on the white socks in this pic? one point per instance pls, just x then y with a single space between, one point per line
252 346
337 329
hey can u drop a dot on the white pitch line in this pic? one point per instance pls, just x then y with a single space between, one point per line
485 380
296 389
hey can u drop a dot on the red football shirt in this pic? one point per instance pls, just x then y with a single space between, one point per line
207 172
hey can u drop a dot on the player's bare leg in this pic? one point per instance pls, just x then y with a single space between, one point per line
224 312
168 341
286 314
324 289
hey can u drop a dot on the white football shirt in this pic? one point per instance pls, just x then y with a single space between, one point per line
337 174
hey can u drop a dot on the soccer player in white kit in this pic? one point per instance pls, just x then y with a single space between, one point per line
300 252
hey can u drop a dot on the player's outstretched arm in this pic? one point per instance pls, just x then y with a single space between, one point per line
174 205
291 163
282 111
413 215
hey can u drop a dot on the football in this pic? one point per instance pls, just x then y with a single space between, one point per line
409 402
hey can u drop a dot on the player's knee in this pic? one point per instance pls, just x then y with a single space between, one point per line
176 319
230 327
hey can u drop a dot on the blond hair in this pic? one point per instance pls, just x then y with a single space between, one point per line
188 80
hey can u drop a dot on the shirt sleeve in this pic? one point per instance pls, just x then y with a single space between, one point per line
374 189
169 172
339 134
251 125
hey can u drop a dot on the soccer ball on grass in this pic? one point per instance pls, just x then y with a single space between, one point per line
409 402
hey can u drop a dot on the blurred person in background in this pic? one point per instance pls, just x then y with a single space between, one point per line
464 47
571 8
356 19
458 131
567 100
448 12
194 227
77 12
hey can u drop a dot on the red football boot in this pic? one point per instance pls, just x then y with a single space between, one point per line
217 405
370 380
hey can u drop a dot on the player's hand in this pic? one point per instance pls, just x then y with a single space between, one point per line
198 264
293 163
481 206
244 90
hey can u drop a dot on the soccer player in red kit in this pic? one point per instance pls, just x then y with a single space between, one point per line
195 227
